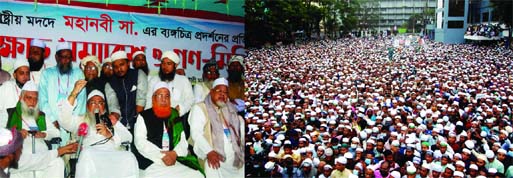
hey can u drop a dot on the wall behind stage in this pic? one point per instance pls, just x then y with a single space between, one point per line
101 31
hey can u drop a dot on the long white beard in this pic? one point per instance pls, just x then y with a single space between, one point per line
221 104
29 112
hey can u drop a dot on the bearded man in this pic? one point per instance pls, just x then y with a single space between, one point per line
210 73
102 149
236 80
218 133
36 160
159 137
36 59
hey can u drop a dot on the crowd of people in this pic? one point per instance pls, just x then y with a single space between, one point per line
486 30
112 119
343 108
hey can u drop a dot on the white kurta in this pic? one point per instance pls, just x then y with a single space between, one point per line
100 160
181 93
200 92
10 96
153 153
45 163
198 119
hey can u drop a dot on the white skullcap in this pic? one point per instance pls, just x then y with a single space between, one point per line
341 160
90 58
29 86
108 59
20 62
492 170
461 163
95 93
118 55
348 155
451 167
269 166
490 154
459 174
38 43
137 53
327 167
220 81
469 144
474 167
437 168
237 58
62 46
411 169
395 174
159 85
171 56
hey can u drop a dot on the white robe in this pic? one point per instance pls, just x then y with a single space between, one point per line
45 163
200 92
10 96
153 153
197 119
181 93
101 160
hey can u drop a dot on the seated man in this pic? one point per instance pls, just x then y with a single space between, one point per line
36 158
160 138
101 152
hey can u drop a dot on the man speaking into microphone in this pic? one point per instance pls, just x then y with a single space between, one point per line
101 146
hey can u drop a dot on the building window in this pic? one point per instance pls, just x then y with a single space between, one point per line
456 8
455 24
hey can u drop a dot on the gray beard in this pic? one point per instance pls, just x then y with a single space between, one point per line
29 112
221 104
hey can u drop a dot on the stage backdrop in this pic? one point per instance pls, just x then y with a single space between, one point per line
198 30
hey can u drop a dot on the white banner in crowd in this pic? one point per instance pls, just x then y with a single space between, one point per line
94 31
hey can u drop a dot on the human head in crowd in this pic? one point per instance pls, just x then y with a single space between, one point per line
36 54
95 102
168 65
446 109
91 67
119 63
64 58
28 99
180 70
107 70
139 61
21 73
236 69
11 144
210 72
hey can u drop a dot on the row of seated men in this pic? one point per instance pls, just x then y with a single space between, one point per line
102 110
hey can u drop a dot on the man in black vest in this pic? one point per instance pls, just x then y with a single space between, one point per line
126 91
159 136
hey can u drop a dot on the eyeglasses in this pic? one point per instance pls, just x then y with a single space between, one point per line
221 92
107 66
90 68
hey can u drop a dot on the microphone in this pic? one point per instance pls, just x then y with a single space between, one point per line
97 115
83 128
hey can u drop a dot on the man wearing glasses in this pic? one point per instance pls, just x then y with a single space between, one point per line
210 73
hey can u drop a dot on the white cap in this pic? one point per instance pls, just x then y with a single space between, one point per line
20 62
461 163
118 55
137 53
38 43
474 167
220 81
492 170
29 86
108 59
490 154
269 165
469 144
395 174
237 58
62 46
459 174
89 58
341 160
95 93
411 169
171 56
159 85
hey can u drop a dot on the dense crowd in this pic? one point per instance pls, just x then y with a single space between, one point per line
345 109
487 30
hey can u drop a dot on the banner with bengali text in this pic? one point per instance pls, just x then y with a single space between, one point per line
100 31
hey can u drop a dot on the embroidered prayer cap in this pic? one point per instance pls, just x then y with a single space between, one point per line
19 63
63 46
90 58
10 141
220 81
118 55
137 53
29 86
95 93
171 56
38 43
159 85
